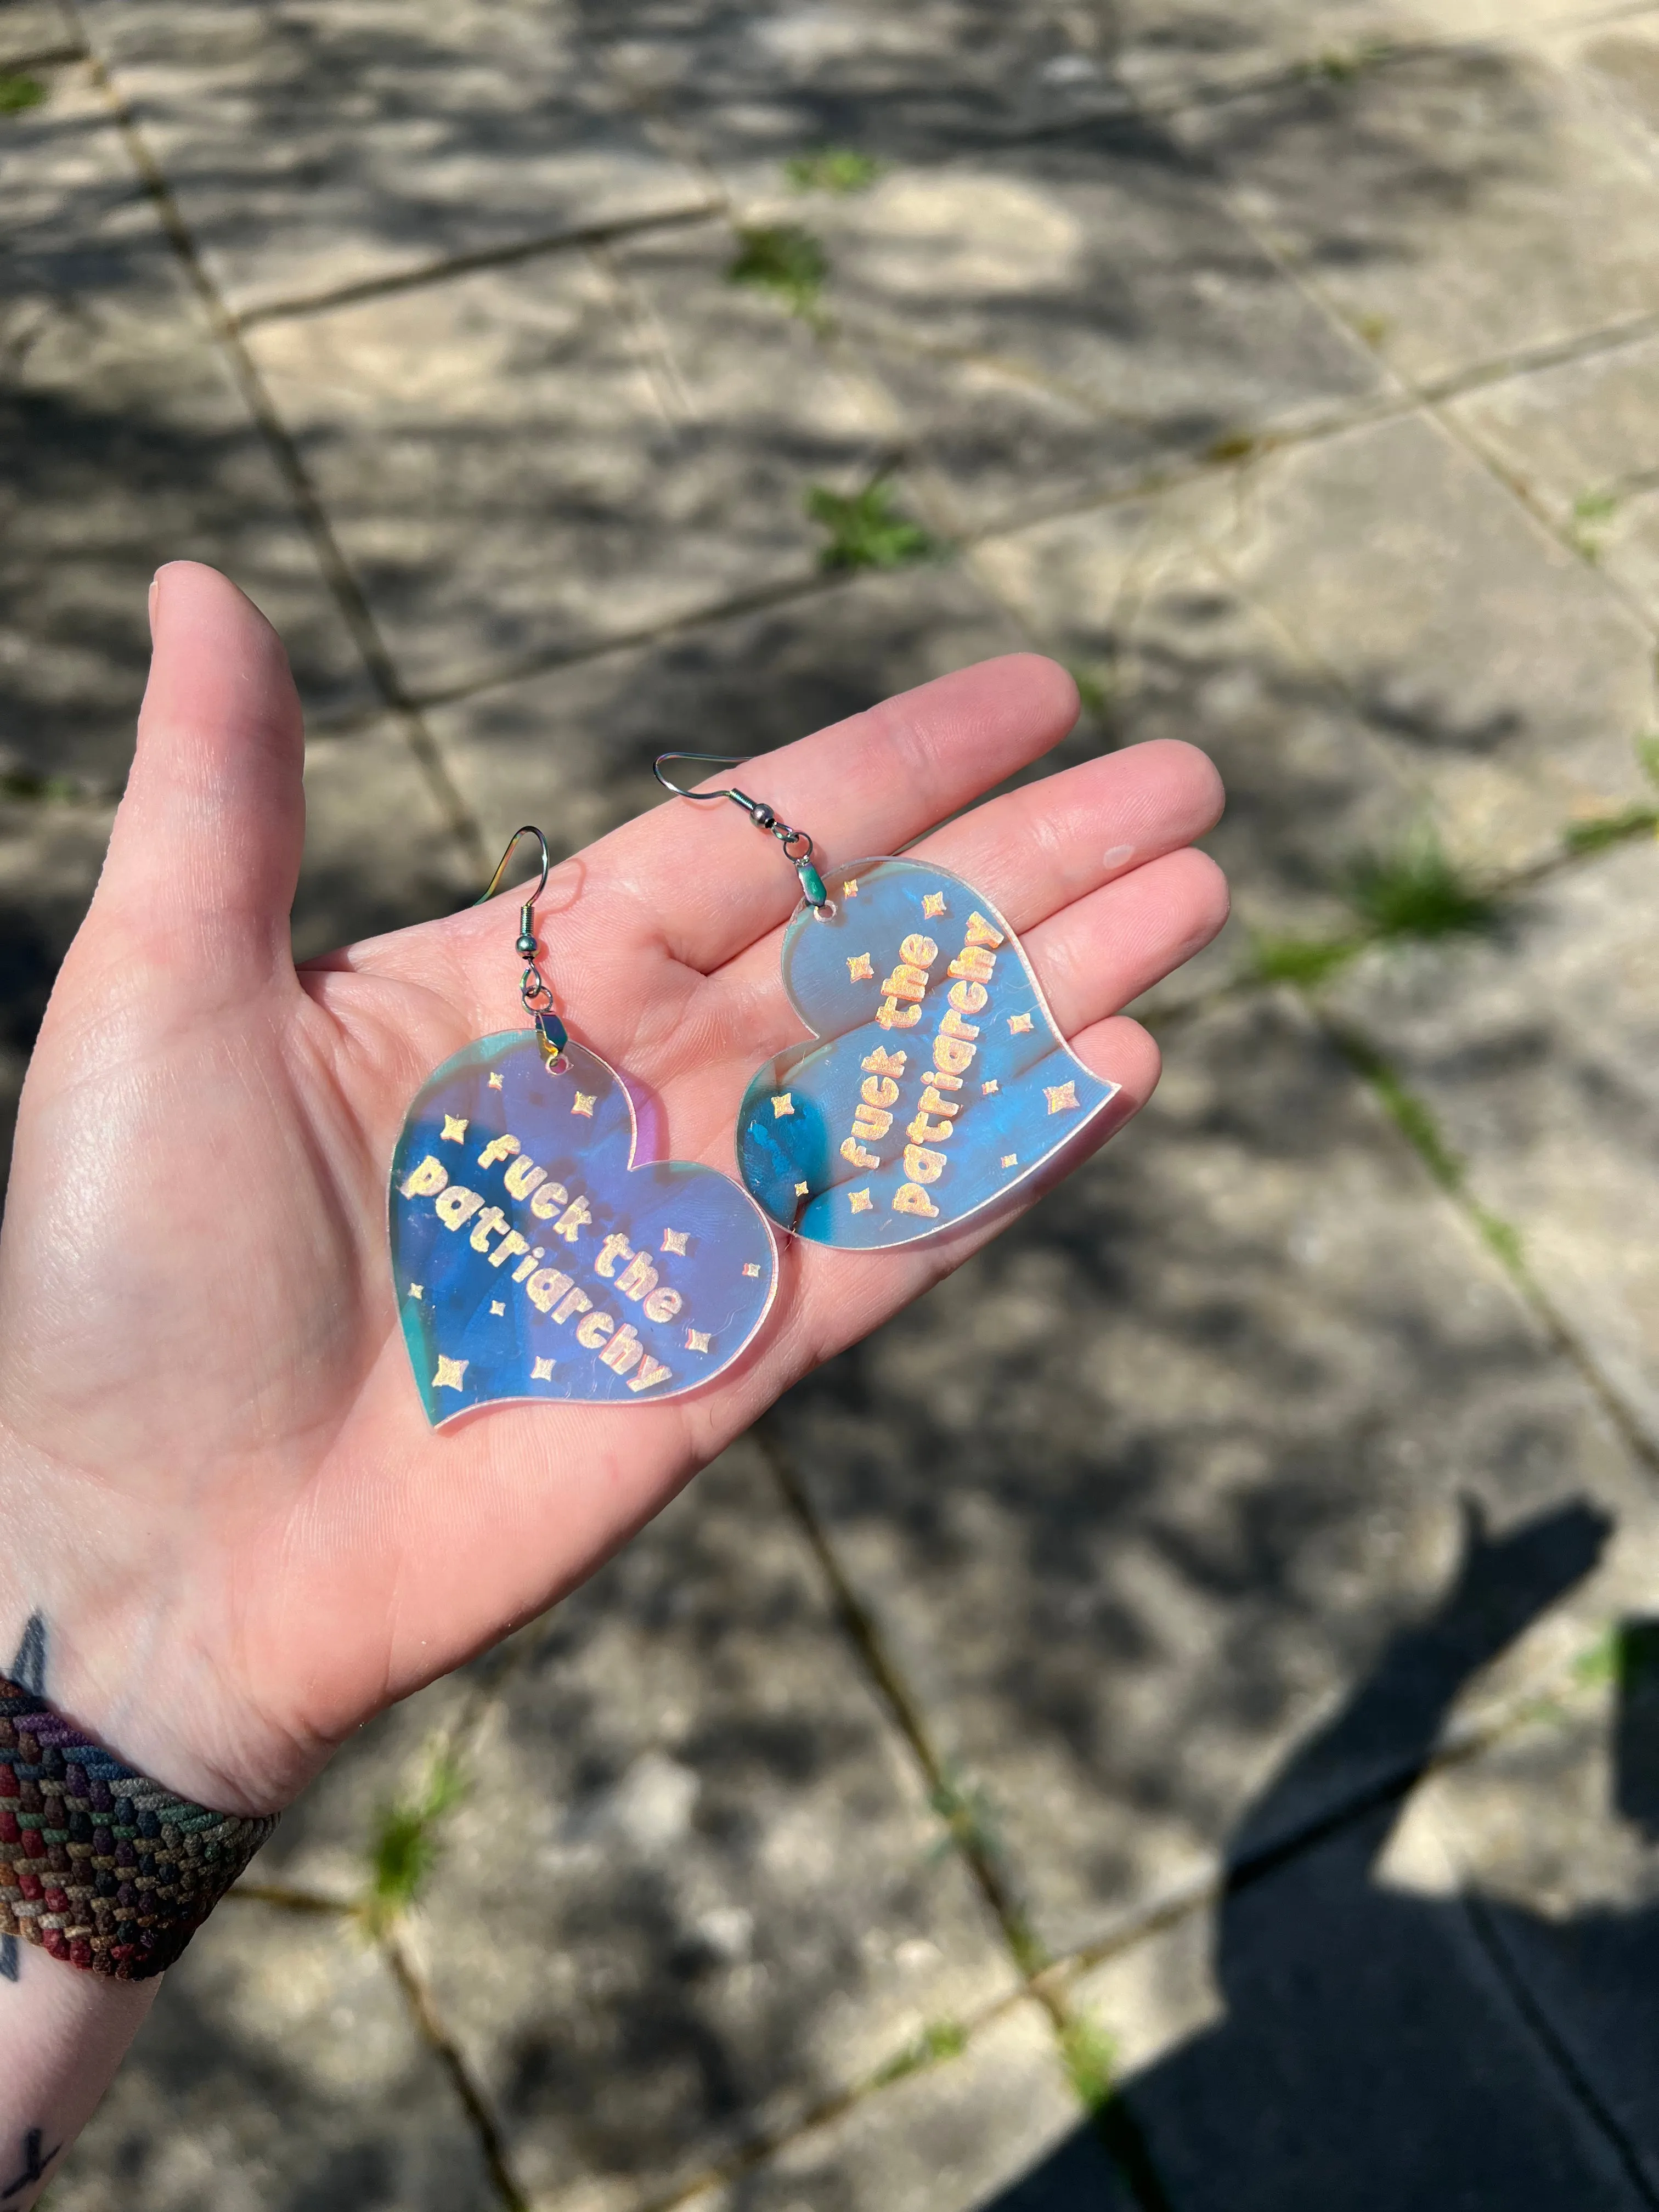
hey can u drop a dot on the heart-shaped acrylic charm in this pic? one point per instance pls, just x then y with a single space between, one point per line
531 1259
937 1078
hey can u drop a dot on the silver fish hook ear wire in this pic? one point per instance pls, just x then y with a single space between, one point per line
550 1031
797 845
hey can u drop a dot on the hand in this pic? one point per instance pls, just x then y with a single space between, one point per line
216 1480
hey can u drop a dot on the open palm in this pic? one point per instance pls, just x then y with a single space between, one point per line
216 1478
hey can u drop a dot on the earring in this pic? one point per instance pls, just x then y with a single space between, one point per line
532 1258
936 1078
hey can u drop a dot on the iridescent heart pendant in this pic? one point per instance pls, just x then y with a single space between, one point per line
936 1080
532 1259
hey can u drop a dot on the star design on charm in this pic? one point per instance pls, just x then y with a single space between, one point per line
496 1080
675 1240
541 1370
496 1307
801 1189
859 968
583 1104
932 904
1018 1024
782 1104
860 1202
449 1374
454 1130
850 888
697 1340
986 1089
416 1290
1011 1159
1059 1096
752 1267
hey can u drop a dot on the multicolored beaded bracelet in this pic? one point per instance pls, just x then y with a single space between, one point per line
98 1866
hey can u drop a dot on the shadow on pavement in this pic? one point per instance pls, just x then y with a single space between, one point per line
1385 2049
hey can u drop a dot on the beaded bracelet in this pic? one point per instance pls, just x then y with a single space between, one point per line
98 1865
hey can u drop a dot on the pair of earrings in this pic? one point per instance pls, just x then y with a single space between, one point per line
532 1257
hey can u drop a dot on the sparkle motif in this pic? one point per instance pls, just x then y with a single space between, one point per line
932 904
583 1101
752 1267
496 1307
859 968
494 1079
801 1189
986 1089
859 1200
449 1374
1011 1159
416 1289
541 1370
675 1240
782 1104
1018 1024
454 1131
850 888
1061 1096
697 1340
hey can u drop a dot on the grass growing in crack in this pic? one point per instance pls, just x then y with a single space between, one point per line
865 529
1342 64
1096 686
1306 962
1592 517
939 2040
1647 754
785 259
1597 831
1419 892
838 169
18 92
406 1844
1087 2053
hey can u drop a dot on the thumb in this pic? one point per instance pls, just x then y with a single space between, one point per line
204 855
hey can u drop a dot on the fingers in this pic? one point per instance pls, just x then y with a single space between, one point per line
205 852
1102 951
714 883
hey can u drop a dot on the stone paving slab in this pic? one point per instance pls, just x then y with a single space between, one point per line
1583 441
999 2122
279 2072
314 144
1553 1836
1510 678
1370 2053
694 1887
125 443
1129 596
1538 1054
739 84
1455 206
28 27
515 468
1139 1491
1058 319
575 747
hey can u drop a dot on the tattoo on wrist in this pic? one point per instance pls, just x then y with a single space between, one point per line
35 2162
28 1671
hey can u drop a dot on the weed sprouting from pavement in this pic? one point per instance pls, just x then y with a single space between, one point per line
865 529
1306 962
1592 516
783 258
838 169
1593 833
1342 64
406 1842
939 2040
18 92
1087 2053
1419 892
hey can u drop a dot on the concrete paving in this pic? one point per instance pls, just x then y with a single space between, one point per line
1171 1722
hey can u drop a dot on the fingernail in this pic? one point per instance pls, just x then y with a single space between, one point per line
155 597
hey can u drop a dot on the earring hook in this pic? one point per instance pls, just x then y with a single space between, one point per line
797 845
532 987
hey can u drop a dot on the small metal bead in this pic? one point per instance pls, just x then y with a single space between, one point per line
524 945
